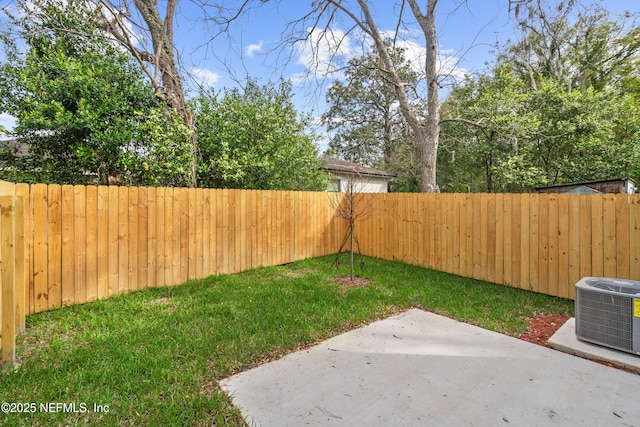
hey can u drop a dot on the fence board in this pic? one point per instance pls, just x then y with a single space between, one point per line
172 228
152 237
410 233
574 238
184 235
79 244
259 219
206 231
20 251
198 232
458 240
192 240
176 241
217 197
543 243
295 211
484 238
563 245
9 297
634 236
213 225
224 233
40 248
68 269
525 242
242 246
609 236
508 240
23 192
534 242
553 242
470 224
54 255
114 240
102 254
499 260
491 237
161 227
238 231
123 243
142 237
515 240
407 233
422 230
91 221
132 238
306 222
622 233
597 233
585 235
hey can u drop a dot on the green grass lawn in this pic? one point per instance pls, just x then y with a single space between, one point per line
154 357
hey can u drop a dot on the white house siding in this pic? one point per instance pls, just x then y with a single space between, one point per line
364 184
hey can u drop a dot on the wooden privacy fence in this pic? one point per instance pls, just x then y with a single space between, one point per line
89 242
540 242
86 242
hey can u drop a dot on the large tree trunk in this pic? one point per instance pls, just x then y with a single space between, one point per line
160 64
431 135
426 133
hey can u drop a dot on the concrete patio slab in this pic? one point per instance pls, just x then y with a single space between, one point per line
565 340
421 369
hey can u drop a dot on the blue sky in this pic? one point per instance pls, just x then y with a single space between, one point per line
254 44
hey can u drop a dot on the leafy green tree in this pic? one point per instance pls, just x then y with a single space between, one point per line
363 112
559 106
579 48
365 120
84 110
484 123
254 139
573 141
525 137
425 128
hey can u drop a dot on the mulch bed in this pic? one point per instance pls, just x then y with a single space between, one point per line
542 327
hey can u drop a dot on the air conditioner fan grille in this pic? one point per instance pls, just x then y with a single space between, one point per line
605 318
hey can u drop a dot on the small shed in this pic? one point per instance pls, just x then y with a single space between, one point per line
624 185
364 179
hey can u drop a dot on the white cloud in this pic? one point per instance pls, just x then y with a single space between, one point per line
205 77
323 53
253 49
7 121
447 60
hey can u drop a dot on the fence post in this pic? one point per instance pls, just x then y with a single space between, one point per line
11 300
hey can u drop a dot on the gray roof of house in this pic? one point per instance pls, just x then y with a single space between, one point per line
338 165
583 189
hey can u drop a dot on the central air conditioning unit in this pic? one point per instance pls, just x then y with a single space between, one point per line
608 312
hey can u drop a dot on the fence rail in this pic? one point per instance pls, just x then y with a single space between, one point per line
82 243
